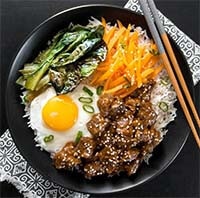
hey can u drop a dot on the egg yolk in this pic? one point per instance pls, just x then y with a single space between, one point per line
60 113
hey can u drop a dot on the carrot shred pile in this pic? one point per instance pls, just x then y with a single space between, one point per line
129 63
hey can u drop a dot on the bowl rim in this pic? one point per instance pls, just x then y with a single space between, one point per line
15 57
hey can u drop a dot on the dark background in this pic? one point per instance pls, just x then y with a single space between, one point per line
19 17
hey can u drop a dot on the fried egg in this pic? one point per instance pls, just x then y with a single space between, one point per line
60 117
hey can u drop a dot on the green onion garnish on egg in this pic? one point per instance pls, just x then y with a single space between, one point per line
88 108
85 100
48 138
88 91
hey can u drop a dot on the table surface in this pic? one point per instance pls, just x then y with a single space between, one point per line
19 17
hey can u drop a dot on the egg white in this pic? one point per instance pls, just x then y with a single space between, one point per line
60 138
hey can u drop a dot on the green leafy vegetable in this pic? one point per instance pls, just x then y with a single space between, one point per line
59 60
29 69
32 81
21 81
34 78
78 52
43 82
73 54
33 72
51 44
95 31
89 64
65 80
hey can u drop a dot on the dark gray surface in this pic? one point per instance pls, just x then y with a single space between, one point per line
18 18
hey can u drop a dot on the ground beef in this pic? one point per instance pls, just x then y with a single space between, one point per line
123 134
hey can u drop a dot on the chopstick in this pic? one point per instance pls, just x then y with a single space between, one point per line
173 59
168 67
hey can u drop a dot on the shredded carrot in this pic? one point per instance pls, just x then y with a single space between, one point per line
107 36
103 22
118 81
107 83
145 73
146 58
157 70
138 69
128 91
117 88
113 40
129 63
119 24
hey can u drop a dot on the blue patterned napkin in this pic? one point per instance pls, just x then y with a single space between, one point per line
15 169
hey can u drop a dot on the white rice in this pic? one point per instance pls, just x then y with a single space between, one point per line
166 94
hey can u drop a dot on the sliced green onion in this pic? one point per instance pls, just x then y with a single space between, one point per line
85 100
163 106
165 80
78 137
127 80
154 52
88 108
88 91
48 138
127 86
99 90
122 45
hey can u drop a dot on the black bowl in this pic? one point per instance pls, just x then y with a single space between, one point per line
23 136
